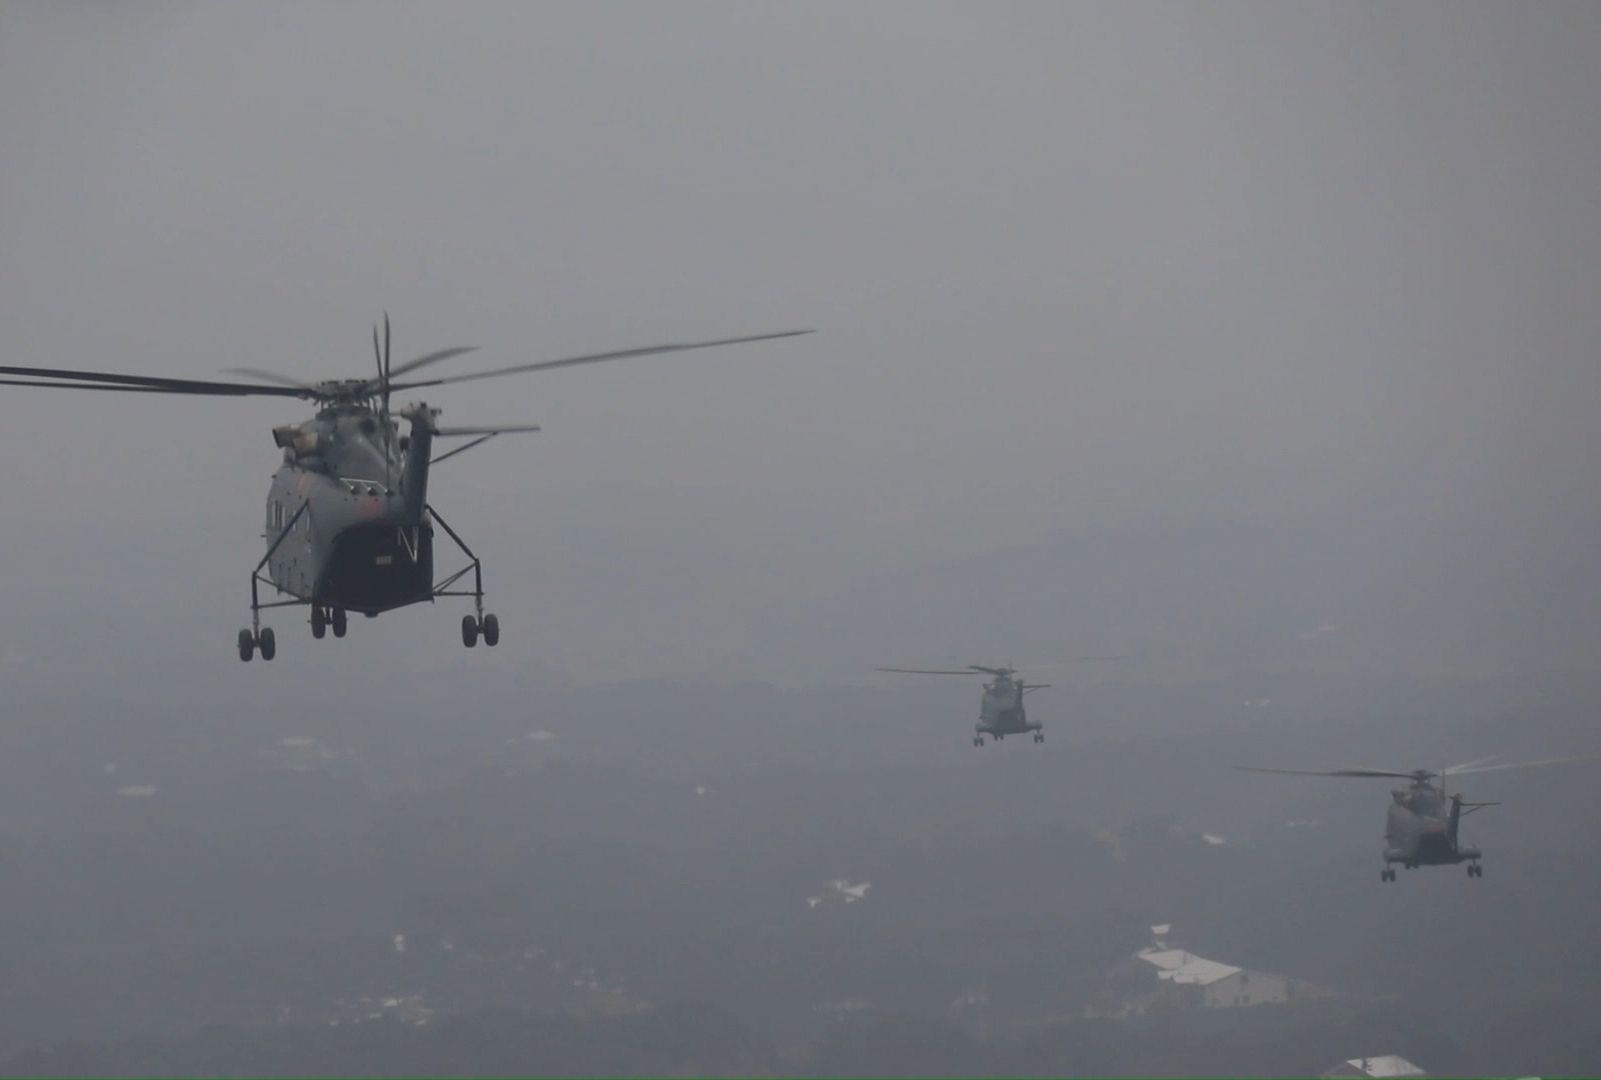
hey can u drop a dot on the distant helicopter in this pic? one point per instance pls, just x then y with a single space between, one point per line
1421 826
348 524
1000 709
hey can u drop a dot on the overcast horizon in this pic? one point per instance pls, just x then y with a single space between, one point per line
1231 368
1071 267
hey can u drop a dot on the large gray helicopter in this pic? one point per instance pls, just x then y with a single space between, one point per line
1000 709
349 526
1421 826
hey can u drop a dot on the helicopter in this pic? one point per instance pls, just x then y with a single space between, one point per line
1000 710
1421 826
348 523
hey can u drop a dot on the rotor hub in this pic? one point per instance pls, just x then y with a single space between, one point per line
335 390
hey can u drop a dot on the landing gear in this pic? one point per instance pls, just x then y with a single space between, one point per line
263 640
978 740
1039 736
322 618
1475 870
1386 874
475 626
478 625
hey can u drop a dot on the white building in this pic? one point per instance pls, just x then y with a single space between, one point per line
1159 976
1214 985
1384 1065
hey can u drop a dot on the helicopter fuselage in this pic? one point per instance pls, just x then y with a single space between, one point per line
1001 712
347 524
1421 827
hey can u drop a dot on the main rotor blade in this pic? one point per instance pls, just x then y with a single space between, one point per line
996 671
431 358
108 380
271 376
591 358
89 386
1465 770
1332 772
1452 770
377 354
923 671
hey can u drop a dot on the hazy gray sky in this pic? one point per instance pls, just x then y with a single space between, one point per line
1071 266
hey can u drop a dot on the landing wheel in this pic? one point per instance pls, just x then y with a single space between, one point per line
469 631
263 641
1386 874
978 741
1475 870
1039 736
489 626
337 619
319 622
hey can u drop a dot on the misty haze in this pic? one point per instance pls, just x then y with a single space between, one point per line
1231 369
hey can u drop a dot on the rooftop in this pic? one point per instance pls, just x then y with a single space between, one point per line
1382 1065
1178 966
